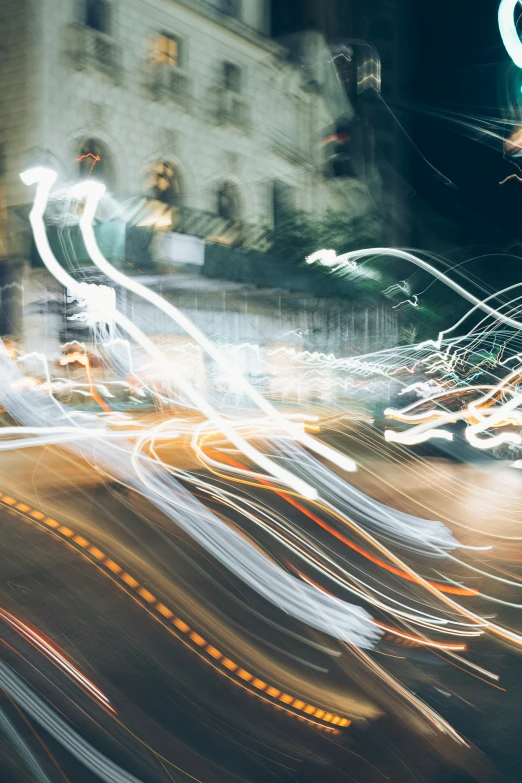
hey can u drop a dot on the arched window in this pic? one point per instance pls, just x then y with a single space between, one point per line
94 161
228 202
164 183
98 15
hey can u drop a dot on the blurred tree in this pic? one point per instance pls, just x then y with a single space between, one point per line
298 235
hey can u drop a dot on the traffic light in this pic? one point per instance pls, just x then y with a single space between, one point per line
343 148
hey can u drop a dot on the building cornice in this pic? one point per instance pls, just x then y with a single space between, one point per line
213 14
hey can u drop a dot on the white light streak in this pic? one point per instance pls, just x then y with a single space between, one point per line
508 30
93 193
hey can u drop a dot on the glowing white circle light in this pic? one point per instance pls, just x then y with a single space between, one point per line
508 30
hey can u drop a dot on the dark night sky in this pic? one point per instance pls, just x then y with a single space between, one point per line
458 63
463 67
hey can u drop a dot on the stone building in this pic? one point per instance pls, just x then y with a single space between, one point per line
187 108
191 97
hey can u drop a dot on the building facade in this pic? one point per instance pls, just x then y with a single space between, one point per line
187 108
188 98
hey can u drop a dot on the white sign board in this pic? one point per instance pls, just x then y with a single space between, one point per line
183 249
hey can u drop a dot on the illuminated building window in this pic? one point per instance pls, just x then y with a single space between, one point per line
98 15
164 190
163 182
230 7
168 50
228 202
232 77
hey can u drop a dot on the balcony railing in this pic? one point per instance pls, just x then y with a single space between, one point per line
204 225
213 228
170 82
88 48
232 109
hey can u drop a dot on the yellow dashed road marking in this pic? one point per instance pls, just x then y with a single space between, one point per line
69 535
197 639
147 596
128 579
112 566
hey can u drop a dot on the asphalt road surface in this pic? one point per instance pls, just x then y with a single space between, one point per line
182 715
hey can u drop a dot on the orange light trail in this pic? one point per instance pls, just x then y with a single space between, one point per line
450 589
95 159
83 359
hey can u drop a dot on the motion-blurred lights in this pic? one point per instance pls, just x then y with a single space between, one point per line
414 438
38 174
329 258
98 303
508 30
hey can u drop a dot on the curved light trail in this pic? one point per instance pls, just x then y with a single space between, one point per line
508 30
264 494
